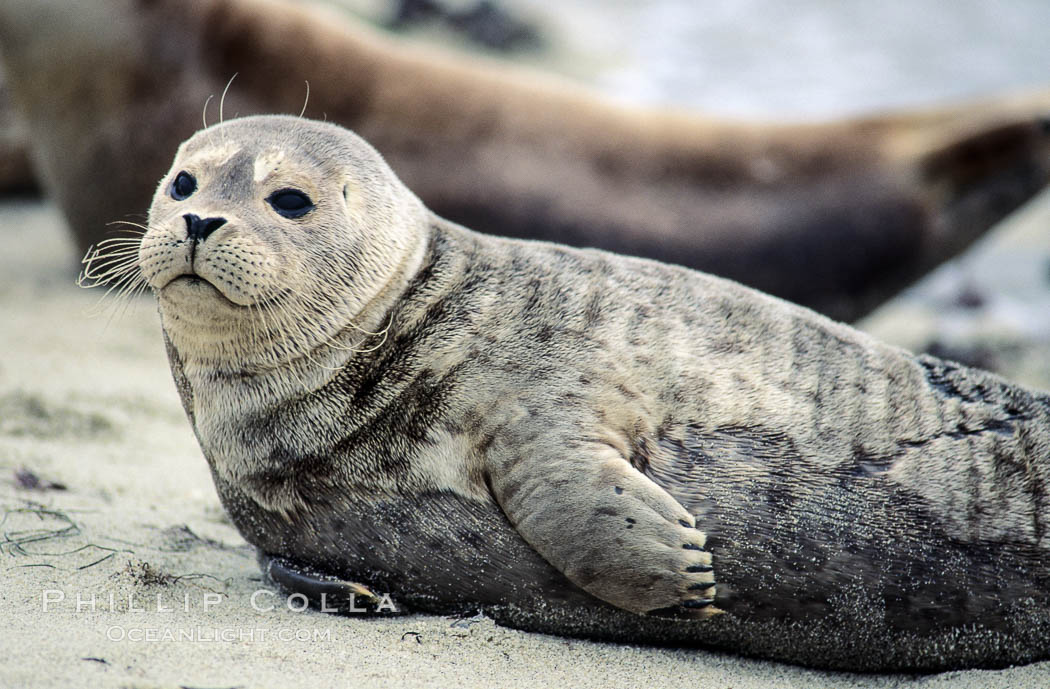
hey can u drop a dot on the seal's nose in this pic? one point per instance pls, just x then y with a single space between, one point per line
199 228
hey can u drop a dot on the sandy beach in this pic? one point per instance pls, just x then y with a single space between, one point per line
120 569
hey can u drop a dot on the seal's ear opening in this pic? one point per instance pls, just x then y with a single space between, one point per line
356 206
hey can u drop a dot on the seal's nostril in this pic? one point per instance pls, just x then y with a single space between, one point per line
199 228
192 221
212 224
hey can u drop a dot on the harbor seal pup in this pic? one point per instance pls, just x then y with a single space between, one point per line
836 216
578 442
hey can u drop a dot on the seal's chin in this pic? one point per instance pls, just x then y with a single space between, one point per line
193 291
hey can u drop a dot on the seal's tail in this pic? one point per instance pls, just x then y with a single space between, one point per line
975 164
941 179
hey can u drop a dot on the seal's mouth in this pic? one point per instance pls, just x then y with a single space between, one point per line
194 286
189 279
191 289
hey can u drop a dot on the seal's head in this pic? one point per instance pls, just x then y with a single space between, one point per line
270 235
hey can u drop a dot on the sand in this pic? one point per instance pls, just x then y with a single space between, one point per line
120 569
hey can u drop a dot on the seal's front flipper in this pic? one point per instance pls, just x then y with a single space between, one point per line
609 529
323 591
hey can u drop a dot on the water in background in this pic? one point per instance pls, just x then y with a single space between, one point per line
803 58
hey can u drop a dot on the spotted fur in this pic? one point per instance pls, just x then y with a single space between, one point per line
582 443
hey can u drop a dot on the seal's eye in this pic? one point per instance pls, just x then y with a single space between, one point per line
291 203
183 186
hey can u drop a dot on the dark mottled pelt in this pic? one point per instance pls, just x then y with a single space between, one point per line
540 429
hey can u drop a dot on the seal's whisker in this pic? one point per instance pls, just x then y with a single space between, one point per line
382 333
143 229
253 333
126 235
313 301
105 274
280 333
275 336
125 297
117 251
110 280
104 245
102 266
271 332
301 332
99 262
101 272
204 113
222 100
367 350
305 100
113 263
120 243
257 319
116 244
288 139
332 344
140 290
124 288
110 257
117 281
299 339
